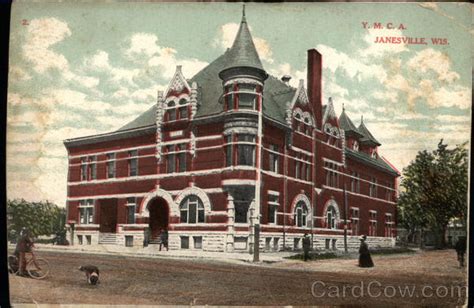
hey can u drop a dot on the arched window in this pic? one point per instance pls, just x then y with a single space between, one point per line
331 217
301 212
191 210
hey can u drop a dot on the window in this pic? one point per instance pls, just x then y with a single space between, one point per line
275 243
355 182
184 242
355 146
133 163
191 210
327 243
246 101
243 149
296 243
229 98
373 188
332 177
240 243
171 113
334 241
273 158
183 109
110 165
388 225
374 154
93 167
389 192
373 223
83 169
88 239
355 221
170 162
228 151
176 158
308 172
197 242
131 205
331 217
181 157
241 210
297 169
272 208
246 149
129 240
79 239
268 242
301 212
183 112
86 212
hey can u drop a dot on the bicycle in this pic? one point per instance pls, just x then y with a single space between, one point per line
36 267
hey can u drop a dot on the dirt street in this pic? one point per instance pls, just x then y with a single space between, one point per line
422 278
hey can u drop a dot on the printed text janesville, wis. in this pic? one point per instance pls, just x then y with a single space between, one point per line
401 39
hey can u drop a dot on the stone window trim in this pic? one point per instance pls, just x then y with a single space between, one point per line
86 212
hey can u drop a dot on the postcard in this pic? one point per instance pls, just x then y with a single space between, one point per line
238 154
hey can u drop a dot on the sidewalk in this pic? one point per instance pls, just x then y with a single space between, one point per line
152 251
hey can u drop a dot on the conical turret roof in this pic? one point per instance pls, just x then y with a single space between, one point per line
347 125
368 138
243 52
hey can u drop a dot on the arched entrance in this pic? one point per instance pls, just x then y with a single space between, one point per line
159 216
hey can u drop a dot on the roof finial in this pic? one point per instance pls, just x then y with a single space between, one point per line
243 13
361 119
343 107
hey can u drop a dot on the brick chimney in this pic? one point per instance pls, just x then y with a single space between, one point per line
314 83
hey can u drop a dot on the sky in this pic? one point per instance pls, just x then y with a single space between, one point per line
82 69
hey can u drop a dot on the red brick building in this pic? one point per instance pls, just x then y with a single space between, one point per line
230 148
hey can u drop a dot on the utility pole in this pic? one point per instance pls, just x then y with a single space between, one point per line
345 217
258 182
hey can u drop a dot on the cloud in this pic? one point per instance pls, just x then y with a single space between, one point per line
41 34
353 68
435 61
17 74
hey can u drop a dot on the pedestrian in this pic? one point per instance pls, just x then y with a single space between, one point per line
365 260
306 246
164 239
24 245
461 249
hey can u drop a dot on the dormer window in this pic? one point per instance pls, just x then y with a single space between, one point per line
355 146
374 154
171 112
183 109
177 110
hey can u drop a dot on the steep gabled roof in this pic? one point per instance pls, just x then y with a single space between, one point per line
243 52
377 162
368 138
276 94
346 124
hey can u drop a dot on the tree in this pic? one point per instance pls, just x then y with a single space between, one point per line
435 190
41 218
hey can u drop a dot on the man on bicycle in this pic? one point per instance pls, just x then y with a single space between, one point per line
24 245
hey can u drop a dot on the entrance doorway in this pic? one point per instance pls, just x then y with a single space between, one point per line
108 215
159 216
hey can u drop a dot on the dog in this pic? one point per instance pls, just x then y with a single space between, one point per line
92 273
